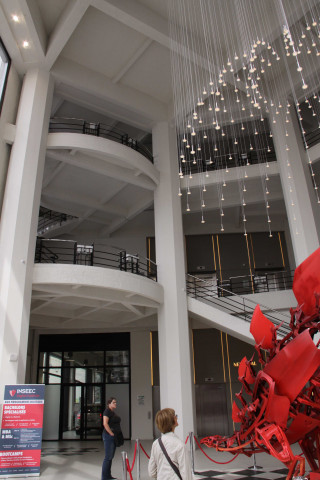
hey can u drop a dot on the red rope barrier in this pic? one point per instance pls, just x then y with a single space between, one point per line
186 440
220 463
134 458
128 468
144 451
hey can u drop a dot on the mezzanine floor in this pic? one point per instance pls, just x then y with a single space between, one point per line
71 460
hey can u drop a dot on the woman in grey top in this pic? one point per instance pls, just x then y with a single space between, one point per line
159 467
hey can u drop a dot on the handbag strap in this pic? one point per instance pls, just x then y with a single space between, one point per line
175 468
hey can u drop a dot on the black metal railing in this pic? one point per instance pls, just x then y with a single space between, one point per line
71 252
49 219
224 162
75 125
313 137
257 283
231 303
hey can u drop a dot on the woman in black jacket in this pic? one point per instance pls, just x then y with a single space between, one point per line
112 429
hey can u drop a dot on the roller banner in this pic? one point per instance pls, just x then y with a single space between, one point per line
21 430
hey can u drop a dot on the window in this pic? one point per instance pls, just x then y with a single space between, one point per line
4 71
84 367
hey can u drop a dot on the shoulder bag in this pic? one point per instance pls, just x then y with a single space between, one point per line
174 467
118 438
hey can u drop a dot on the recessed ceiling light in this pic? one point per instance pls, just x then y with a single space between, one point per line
25 44
15 18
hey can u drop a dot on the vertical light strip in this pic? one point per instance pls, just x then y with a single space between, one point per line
252 251
194 366
151 359
149 255
222 353
283 263
219 262
231 395
252 287
214 253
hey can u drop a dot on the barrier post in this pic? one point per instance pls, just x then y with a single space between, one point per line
191 450
124 465
138 459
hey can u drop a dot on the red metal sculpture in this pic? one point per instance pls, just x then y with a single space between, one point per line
284 396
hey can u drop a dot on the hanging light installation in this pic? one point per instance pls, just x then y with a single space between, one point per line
232 62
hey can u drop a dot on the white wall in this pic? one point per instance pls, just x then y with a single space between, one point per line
141 408
8 115
282 300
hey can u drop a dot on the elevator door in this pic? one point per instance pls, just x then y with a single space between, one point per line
211 409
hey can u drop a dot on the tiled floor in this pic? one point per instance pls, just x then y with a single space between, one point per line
242 474
75 460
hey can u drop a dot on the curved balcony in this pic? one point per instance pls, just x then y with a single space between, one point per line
94 255
76 125
87 287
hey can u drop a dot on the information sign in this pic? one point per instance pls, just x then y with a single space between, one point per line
21 430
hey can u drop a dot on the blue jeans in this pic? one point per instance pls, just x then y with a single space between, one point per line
109 449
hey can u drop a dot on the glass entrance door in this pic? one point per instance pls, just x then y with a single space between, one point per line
81 414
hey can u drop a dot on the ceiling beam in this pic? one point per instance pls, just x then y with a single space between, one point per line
103 94
104 167
85 201
48 179
35 26
91 211
138 207
136 16
146 44
67 23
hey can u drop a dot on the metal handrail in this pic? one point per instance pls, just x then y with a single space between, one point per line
235 307
258 283
312 138
224 161
72 252
50 218
255 283
79 125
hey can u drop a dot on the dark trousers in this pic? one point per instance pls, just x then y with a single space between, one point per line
109 449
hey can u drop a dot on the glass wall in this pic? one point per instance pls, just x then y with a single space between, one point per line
86 378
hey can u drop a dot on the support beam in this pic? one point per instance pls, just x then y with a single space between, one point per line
173 325
19 223
68 22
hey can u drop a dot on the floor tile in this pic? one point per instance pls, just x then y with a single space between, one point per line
82 460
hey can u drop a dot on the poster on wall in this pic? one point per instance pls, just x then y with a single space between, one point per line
21 430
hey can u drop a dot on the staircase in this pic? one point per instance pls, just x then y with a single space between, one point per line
50 221
228 311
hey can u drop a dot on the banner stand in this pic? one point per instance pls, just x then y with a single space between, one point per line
21 430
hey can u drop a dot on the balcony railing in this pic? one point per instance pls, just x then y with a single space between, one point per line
257 283
75 125
312 137
246 284
232 303
71 252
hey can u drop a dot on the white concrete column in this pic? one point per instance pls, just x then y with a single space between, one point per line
19 223
292 163
173 325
